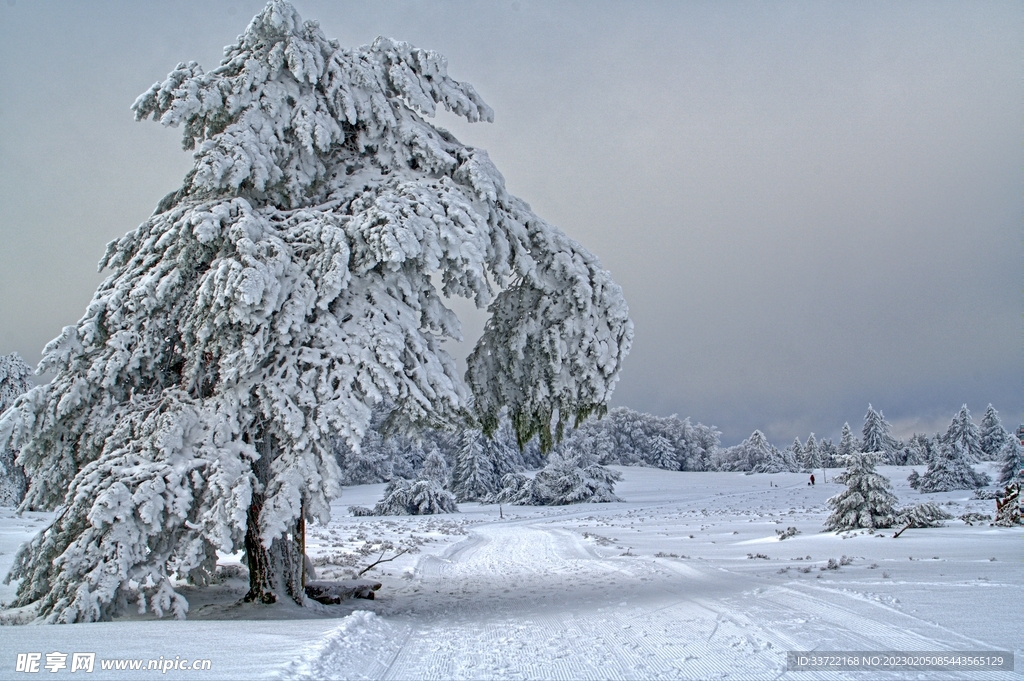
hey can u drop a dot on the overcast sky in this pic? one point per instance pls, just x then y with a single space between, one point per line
809 206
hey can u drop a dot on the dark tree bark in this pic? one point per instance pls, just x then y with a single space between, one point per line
276 572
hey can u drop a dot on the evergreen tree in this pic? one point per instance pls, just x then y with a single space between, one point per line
877 436
15 380
435 467
868 500
992 435
573 477
829 453
846 446
408 497
473 476
296 280
949 470
763 457
963 436
1012 469
796 449
922 450
663 454
810 456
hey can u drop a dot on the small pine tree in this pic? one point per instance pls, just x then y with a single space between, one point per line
419 497
435 467
964 436
992 435
829 452
950 470
846 445
796 450
877 436
765 457
868 500
14 381
662 454
810 456
473 475
573 477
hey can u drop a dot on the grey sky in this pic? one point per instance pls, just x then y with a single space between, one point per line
810 206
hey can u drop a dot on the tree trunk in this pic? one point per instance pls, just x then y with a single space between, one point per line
276 572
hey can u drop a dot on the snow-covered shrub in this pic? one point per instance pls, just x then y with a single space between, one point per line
949 470
572 477
515 489
15 380
868 500
927 514
297 279
411 497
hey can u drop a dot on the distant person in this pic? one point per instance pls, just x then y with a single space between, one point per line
812 479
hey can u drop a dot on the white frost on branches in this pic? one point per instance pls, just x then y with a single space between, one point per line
281 294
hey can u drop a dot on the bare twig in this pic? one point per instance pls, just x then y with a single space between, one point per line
380 560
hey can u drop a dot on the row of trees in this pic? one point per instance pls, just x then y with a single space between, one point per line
628 437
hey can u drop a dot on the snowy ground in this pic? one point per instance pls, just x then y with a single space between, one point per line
684 579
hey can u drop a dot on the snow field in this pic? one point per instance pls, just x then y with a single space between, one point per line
686 578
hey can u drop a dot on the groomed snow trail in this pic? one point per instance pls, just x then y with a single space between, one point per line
529 599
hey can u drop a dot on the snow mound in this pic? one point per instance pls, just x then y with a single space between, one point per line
361 637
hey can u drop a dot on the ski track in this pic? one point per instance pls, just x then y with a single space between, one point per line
525 599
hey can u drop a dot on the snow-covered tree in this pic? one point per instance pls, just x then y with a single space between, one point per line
573 477
15 380
847 445
877 436
963 435
296 280
992 435
663 454
435 467
1012 458
949 470
868 500
927 514
473 476
829 453
407 497
796 449
810 456
764 457
922 449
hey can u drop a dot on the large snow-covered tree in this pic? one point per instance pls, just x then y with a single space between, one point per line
868 500
15 380
297 279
